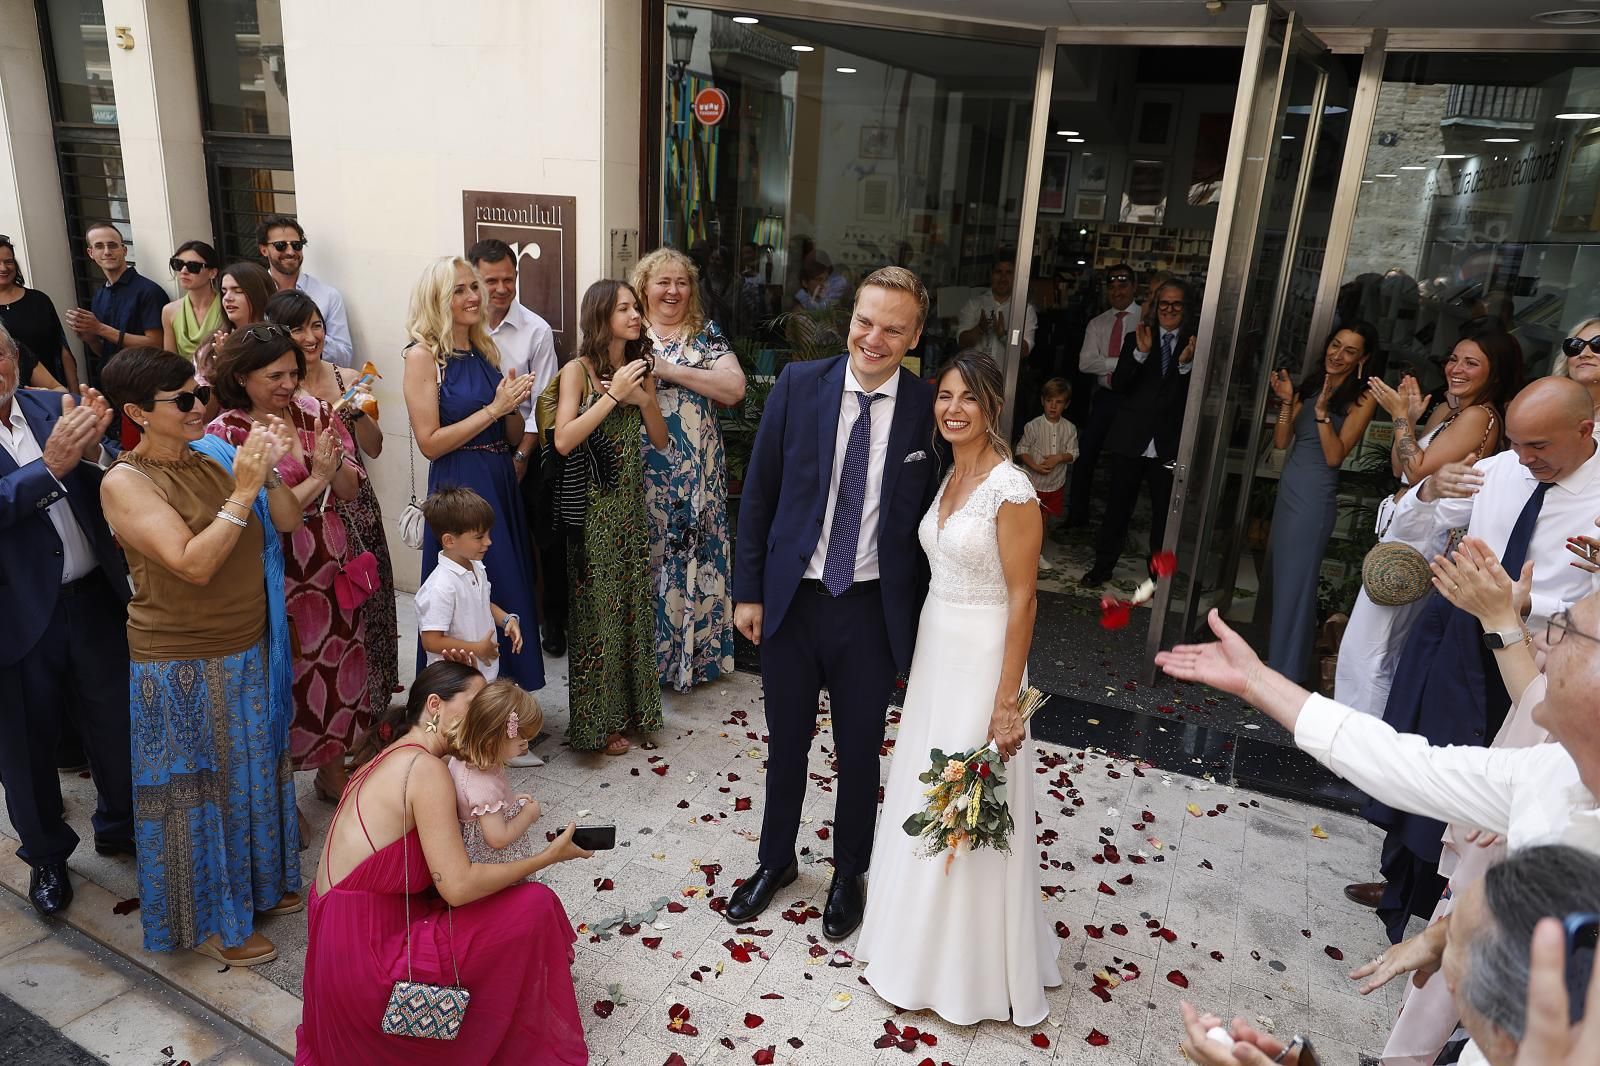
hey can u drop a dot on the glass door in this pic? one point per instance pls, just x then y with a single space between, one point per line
1280 141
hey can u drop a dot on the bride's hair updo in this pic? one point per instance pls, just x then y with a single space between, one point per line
983 378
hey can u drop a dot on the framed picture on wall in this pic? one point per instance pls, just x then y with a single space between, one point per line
876 142
1053 186
875 198
1092 171
1089 206
1144 199
1578 206
1155 120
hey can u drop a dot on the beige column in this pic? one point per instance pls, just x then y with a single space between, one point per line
158 116
31 211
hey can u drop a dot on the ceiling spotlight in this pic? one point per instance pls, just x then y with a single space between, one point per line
1074 140
1568 17
1386 175
1578 116
801 48
746 20
1502 140
1066 133
844 70
1450 156
1083 262
1413 166
1366 181
1287 137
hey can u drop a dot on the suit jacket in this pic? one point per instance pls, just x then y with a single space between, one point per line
1150 403
786 492
30 550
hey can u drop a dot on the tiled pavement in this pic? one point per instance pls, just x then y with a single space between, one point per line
1249 896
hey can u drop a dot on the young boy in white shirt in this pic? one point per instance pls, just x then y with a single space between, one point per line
454 611
1048 446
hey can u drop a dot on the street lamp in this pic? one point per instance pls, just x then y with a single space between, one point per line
681 36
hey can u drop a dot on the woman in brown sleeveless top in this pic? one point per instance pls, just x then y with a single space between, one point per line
214 814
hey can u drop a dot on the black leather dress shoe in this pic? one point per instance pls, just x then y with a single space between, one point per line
752 897
48 888
555 642
847 901
115 847
1095 578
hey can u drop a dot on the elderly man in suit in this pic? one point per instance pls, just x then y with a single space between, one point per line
1152 385
829 579
63 596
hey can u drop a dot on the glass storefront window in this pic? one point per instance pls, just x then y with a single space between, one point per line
82 62
1479 210
246 195
800 156
246 84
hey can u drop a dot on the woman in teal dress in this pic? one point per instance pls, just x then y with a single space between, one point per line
607 397
686 486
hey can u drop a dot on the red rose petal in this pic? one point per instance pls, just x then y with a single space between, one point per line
742 803
1163 564
1106 890
1115 613
751 1021
796 1042
659 771
127 906
675 1059
1062 931
1128 880
1096 1038
765 1056
651 942
1147 816
1217 955
772 995
1176 977
603 884
1095 932
1120 929
1039 1040
675 907
1334 953
603 1008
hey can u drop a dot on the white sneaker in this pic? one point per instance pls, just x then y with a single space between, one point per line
529 759
1046 564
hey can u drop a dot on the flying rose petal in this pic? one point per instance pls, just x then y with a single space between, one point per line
1164 564
1115 613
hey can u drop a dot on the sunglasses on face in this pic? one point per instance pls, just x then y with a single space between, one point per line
185 401
1119 280
1170 305
1574 346
185 266
284 246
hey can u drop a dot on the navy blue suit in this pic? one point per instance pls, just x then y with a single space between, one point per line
64 653
854 644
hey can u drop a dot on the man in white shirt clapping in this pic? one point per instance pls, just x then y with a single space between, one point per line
1102 347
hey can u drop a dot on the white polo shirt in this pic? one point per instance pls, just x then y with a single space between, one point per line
455 601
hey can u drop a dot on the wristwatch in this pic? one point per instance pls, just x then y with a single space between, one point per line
508 619
1497 640
521 457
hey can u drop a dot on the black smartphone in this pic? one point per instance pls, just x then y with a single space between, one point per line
595 837
1583 930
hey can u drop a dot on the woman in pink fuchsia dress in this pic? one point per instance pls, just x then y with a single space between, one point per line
510 941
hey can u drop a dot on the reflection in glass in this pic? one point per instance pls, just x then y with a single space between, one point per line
82 61
247 84
247 195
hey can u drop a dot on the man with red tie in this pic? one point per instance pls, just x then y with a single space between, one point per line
1102 346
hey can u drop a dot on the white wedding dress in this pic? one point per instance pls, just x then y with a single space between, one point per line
971 943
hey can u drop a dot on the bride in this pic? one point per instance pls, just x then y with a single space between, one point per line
971 943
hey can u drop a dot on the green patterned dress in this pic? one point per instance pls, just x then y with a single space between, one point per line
613 684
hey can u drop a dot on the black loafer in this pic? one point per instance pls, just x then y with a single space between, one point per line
1095 578
847 901
49 890
752 897
115 847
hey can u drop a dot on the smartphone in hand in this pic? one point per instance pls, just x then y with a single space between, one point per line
595 837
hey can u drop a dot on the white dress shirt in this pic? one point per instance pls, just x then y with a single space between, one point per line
1568 509
337 347
882 416
994 347
455 601
1042 437
1183 368
528 345
77 553
1094 357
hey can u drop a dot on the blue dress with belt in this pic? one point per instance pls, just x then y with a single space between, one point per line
1302 522
484 465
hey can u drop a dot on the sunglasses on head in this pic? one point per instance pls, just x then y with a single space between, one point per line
284 246
264 333
1574 346
185 401
185 266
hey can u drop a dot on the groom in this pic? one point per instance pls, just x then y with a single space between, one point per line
829 578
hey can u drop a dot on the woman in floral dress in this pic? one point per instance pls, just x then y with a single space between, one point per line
686 486
298 313
257 377
607 394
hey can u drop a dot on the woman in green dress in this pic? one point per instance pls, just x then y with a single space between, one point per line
606 394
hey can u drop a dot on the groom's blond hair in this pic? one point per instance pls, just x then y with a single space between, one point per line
901 280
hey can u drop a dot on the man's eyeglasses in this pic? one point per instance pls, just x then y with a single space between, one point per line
185 266
265 333
1559 625
185 401
1170 305
284 246
1119 279
1574 346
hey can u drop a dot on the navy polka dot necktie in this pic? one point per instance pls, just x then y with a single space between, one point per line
839 568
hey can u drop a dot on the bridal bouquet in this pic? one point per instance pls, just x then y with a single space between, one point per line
967 797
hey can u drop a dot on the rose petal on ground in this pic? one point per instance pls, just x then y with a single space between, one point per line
651 942
1039 1040
1176 977
1062 931
1096 1038
751 1021
1334 953
127 906
1125 880
603 1008
1106 890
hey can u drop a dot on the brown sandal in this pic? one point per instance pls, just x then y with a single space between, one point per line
253 952
617 745
291 903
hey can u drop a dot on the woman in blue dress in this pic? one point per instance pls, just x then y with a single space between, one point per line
467 420
686 486
1323 419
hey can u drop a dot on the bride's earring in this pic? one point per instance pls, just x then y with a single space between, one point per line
432 726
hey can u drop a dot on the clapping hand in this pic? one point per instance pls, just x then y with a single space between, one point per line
1392 400
1186 356
1142 338
1416 402
83 323
267 443
326 455
510 394
76 435
1474 581
1282 387
1587 549
1456 481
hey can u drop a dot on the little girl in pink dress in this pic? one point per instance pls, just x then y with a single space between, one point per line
496 729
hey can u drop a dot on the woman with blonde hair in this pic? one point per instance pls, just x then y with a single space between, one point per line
686 486
467 420
1580 359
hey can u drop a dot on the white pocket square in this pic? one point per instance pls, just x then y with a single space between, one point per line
915 457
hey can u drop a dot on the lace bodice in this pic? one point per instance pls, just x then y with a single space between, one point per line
965 554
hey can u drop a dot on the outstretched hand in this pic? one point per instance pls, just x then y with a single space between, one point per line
1229 664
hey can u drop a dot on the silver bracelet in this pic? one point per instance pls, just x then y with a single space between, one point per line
235 519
